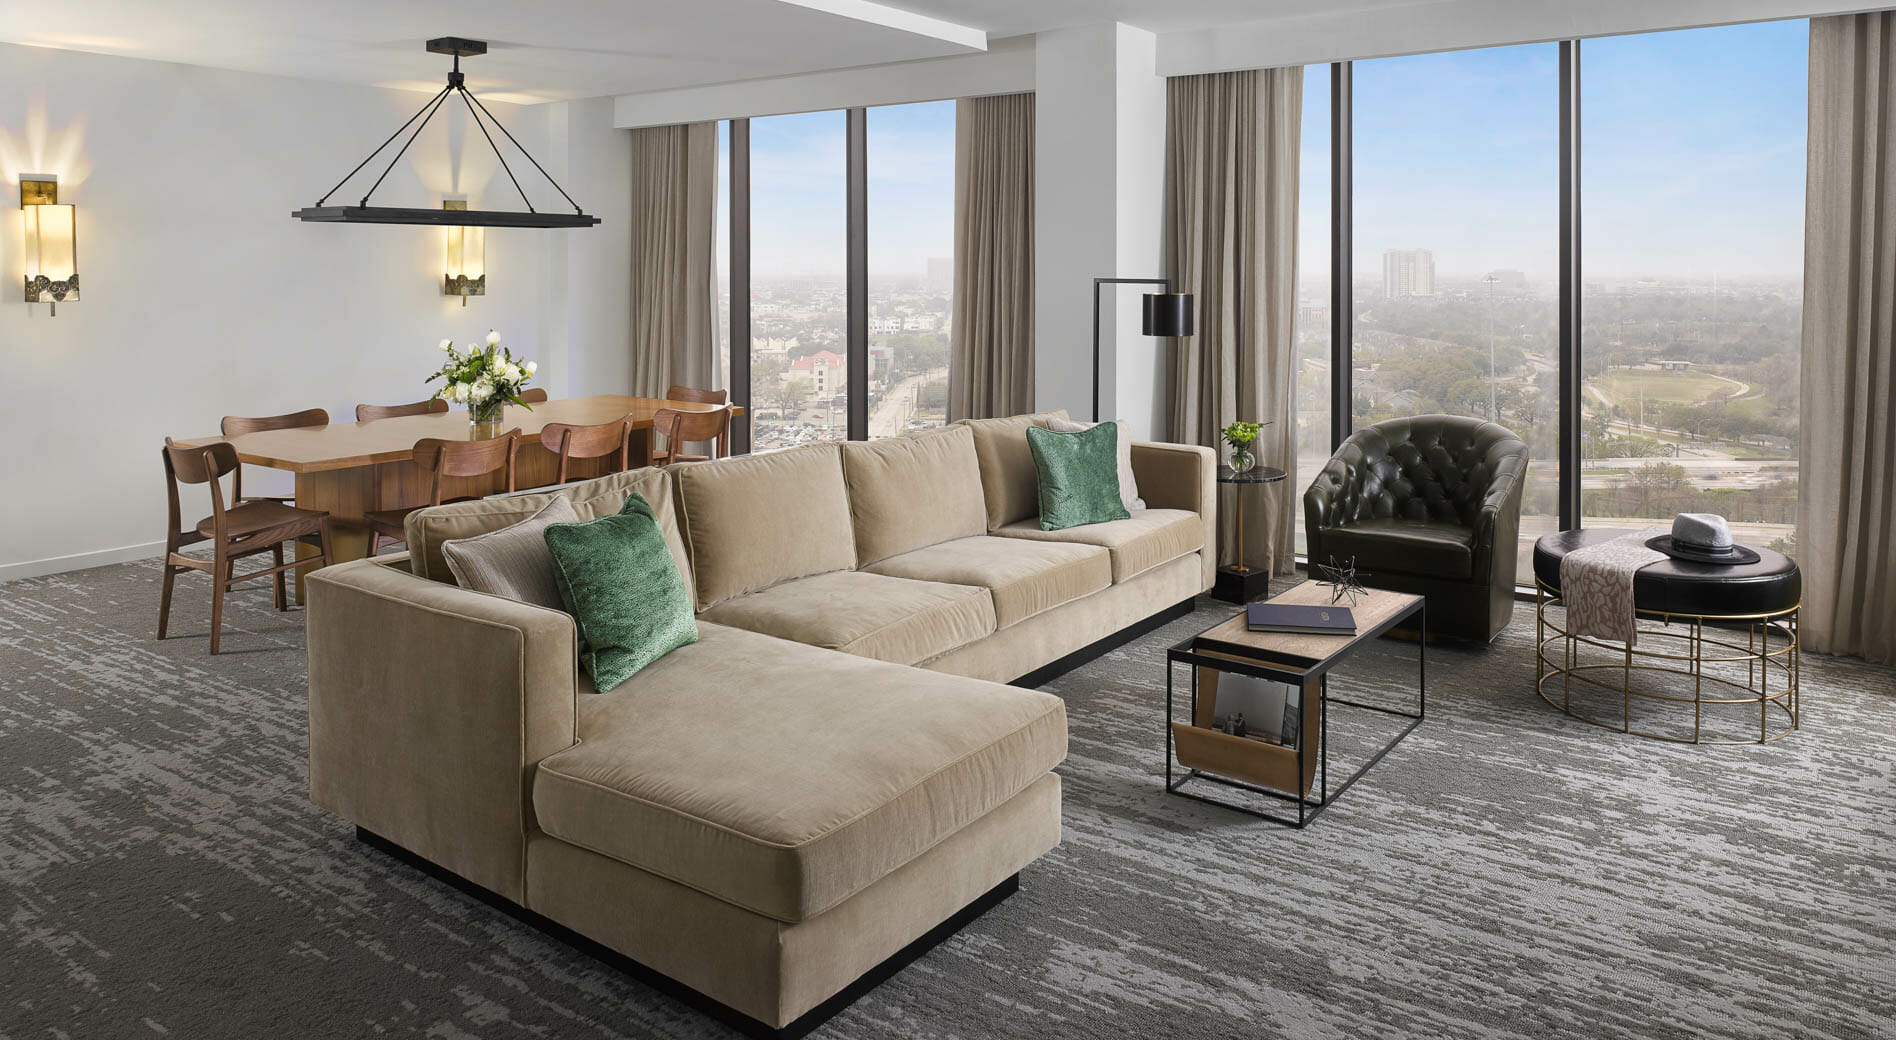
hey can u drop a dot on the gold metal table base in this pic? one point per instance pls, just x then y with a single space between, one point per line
1770 652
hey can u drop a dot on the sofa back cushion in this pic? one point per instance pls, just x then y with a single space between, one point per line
912 492
1008 478
757 520
428 528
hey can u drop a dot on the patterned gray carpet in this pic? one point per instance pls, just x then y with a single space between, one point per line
1506 872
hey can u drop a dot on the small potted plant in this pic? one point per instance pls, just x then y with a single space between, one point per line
1241 435
486 379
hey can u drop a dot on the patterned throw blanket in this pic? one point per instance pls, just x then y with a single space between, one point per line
1596 585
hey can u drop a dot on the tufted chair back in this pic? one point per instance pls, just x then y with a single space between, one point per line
1441 468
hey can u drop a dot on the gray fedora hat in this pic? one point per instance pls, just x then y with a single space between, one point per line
1702 538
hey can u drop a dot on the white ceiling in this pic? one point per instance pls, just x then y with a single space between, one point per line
1013 17
550 50
539 50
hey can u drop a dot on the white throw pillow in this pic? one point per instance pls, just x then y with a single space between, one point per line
514 561
1128 487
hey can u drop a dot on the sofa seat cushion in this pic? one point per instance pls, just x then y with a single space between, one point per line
783 778
1151 537
1423 548
1024 577
869 615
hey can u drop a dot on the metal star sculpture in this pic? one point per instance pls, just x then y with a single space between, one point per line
1344 580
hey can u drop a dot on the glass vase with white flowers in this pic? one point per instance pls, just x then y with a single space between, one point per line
486 379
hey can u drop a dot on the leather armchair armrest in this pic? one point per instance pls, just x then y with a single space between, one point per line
429 707
1323 499
1498 522
1182 476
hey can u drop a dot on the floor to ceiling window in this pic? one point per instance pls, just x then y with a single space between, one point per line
1693 188
1456 249
911 239
798 264
721 243
1310 397
1687 172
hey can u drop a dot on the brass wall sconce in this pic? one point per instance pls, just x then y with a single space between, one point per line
466 270
52 272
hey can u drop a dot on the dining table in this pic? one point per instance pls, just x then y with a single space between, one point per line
350 469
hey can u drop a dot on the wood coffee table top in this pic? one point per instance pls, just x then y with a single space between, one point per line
1376 611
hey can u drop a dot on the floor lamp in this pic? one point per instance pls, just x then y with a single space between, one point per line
1166 313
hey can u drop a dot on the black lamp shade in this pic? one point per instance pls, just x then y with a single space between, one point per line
1168 314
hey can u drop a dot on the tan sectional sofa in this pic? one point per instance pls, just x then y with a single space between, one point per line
828 775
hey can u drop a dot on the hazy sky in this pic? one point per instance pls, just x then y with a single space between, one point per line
1693 148
798 191
1692 145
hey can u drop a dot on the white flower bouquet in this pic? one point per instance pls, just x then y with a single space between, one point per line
486 379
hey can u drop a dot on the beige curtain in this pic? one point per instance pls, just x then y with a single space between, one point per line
991 359
674 258
1231 143
1846 524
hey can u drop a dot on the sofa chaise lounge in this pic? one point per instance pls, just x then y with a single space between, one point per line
828 775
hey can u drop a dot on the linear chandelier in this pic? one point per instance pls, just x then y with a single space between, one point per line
363 213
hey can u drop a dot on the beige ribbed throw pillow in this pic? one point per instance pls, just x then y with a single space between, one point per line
513 561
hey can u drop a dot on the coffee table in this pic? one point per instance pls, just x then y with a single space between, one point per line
1301 661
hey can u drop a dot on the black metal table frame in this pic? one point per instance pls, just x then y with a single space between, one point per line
1308 809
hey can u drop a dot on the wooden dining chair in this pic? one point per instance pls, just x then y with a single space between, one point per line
372 412
678 428
237 425
693 395
239 530
536 395
589 442
446 459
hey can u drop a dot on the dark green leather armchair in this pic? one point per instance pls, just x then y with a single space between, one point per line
1429 505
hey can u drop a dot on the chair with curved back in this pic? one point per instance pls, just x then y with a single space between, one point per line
680 427
447 459
372 412
536 395
692 395
1428 505
238 425
588 442
234 531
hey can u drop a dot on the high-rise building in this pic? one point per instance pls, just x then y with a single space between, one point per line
1408 272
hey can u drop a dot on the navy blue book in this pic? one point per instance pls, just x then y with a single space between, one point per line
1300 619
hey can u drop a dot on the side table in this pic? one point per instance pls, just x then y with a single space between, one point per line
1302 774
1237 583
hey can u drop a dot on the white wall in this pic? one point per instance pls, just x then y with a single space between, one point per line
1099 146
201 297
1138 398
590 280
1007 67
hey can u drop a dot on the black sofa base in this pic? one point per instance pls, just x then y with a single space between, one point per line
671 987
1052 670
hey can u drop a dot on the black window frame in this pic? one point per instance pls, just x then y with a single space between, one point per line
1342 281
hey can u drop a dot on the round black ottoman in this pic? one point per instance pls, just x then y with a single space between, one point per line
1701 610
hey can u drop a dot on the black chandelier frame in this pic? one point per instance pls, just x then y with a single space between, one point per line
363 213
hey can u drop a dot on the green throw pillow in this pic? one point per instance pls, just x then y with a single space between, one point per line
618 579
1079 476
